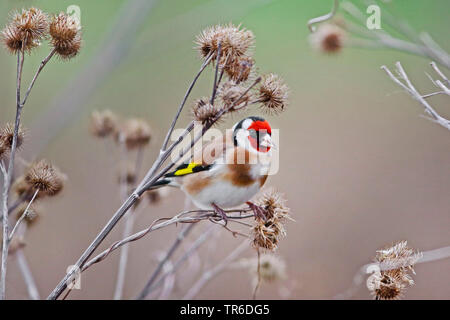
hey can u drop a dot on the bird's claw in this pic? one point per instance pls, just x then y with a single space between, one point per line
220 212
259 211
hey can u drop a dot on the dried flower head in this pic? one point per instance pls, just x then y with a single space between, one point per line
25 30
266 234
234 41
31 216
240 68
328 38
7 135
3 150
230 92
273 94
128 177
135 133
103 123
395 263
204 112
46 178
65 33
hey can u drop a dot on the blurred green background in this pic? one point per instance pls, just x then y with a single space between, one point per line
359 166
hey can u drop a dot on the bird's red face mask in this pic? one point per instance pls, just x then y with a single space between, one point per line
260 136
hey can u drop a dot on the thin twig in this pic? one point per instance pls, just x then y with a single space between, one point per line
41 66
408 86
258 270
23 216
183 102
323 18
33 292
9 174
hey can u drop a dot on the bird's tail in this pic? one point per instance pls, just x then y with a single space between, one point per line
160 183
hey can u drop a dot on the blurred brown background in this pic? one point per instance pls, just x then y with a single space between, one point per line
359 166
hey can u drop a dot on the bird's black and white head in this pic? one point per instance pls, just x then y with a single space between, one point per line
253 133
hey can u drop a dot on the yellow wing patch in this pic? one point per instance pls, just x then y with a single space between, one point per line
186 170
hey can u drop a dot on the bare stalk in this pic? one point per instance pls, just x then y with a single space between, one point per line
33 292
323 18
8 175
408 86
210 274
23 216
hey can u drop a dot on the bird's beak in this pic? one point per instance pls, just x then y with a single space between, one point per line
267 142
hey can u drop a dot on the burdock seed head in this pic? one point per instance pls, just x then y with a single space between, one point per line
328 38
135 133
25 30
239 69
204 112
103 123
65 33
396 263
232 94
44 177
235 42
267 234
7 135
273 94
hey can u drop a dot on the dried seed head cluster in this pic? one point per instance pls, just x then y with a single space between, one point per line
239 69
44 177
273 94
230 93
234 41
3 150
7 135
395 262
65 33
25 30
267 234
31 216
135 133
328 38
204 112
103 123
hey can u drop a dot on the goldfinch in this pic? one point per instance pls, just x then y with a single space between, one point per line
227 172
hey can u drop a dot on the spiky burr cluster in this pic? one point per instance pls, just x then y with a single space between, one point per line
28 28
396 263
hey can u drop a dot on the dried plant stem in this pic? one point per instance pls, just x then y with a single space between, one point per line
408 86
358 279
8 175
323 18
41 66
258 271
179 239
183 102
210 274
22 217
128 229
33 292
